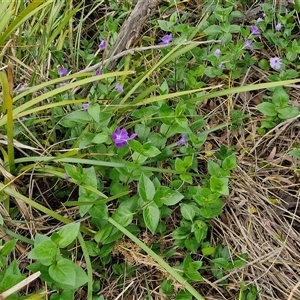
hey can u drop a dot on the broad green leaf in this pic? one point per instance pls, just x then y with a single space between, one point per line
146 188
213 30
136 146
280 96
213 168
103 233
181 233
72 171
219 185
46 252
288 112
209 213
68 234
151 152
76 118
63 272
193 275
100 138
168 196
297 5
186 178
99 212
187 211
7 247
200 228
94 112
229 162
268 109
295 153
123 216
151 215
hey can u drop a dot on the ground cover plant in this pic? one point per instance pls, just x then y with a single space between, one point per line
149 150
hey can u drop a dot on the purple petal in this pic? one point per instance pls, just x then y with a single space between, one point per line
119 88
254 30
217 53
275 63
166 39
132 136
85 106
98 72
62 71
278 27
102 45
248 44
182 141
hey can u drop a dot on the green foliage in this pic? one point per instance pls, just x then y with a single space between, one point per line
60 272
278 109
161 183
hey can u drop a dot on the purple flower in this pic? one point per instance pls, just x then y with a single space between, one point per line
221 66
278 26
67 176
102 45
121 138
166 39
275 63
217 53
259 20
62 71
98 72
119 88
248 44
85 106
254 30
182 141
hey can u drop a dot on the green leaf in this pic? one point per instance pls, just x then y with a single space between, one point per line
100 138
187 211
165 25
213 168
280 96
268 109
191 244
181 233
229 162
167 287
295 153
103 233
200 228
297 5
72 171
94 112
8 247
212 30
46 252
168 196
151 152
219 185
288 112
151 215
136 146
186 178
99 212
63 272
68 234
193 275
123 216
146 188
76 118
